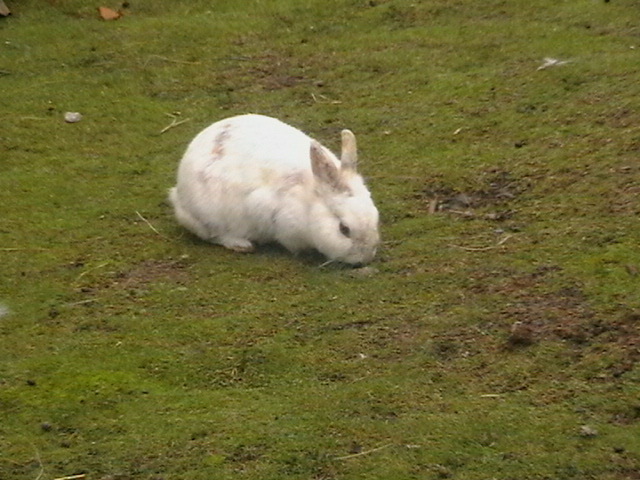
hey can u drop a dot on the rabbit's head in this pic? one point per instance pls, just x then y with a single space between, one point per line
345 224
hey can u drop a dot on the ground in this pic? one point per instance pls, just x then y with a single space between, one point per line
495 336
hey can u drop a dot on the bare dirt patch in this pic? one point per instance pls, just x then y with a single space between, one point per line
138 278
150 271
271 70
535 312
494 188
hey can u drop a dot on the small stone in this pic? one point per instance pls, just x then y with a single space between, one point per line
72 117
355 448
521 334
588 432
364 272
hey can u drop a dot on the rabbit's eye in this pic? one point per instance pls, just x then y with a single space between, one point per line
344 230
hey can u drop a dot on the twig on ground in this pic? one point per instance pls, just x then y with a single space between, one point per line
81 302
149 224
174 123
39 462
240 58
328 262
72 477
324 99
464 213
169 60
433 205
365 452
484 249
92 269
551 62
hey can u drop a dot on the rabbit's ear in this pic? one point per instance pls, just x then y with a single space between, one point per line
349 157
324 168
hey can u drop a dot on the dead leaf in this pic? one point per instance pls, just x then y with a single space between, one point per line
4 10
109 14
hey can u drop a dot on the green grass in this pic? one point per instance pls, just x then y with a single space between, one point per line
131 352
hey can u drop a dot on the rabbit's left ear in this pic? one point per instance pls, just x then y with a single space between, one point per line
324 169
349 156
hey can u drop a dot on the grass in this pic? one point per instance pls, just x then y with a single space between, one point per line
131 350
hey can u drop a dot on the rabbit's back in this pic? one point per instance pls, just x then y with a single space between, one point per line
250 141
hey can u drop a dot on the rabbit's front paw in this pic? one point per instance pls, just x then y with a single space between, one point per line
238 245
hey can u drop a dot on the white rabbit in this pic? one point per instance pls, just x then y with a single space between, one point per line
253 179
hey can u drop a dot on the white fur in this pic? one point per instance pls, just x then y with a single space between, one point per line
253 179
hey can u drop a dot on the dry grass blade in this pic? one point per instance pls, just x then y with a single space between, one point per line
174 123
501 242
149 224
365 452
41 472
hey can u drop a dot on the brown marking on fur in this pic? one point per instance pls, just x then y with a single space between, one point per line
219 142
292 180
203 177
